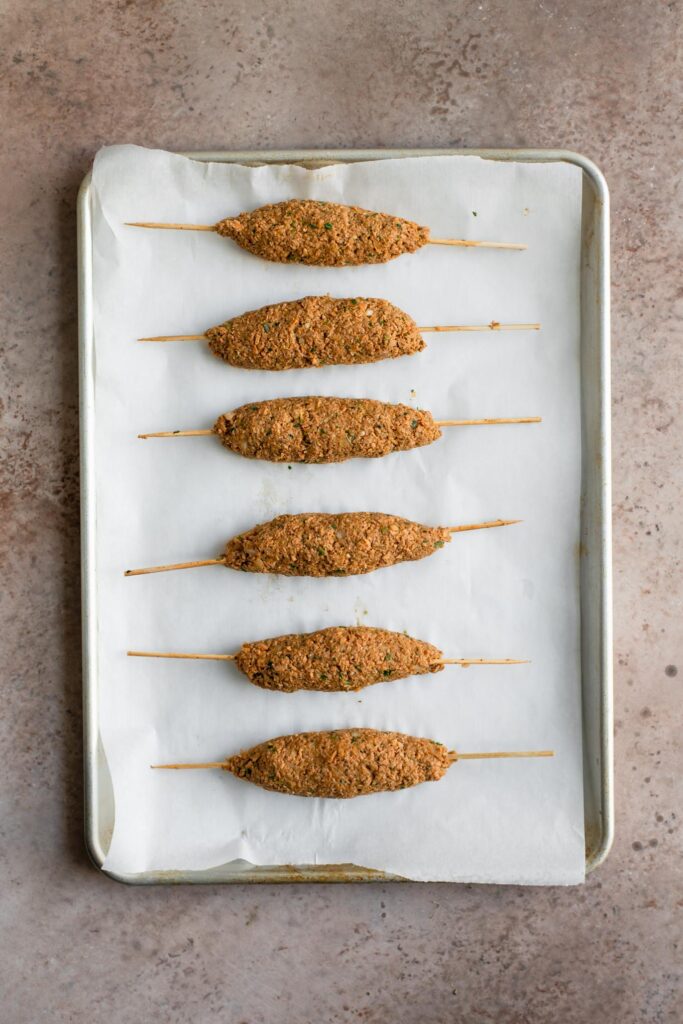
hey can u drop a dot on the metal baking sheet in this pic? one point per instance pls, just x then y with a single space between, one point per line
595 556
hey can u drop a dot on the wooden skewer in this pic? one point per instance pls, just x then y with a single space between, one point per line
466 662
206 764
487 422
460 242
177 433
463 662
221 561
493 326
194 657
169 227
439 423
178 565
454 756
176 337
483 526
466 244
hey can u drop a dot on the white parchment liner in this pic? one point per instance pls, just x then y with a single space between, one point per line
509 592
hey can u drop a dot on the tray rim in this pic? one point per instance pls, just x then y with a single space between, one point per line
262 874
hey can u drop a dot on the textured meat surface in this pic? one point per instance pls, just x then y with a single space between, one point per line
342 764
316 331
339 658
319 429
323 234
319 544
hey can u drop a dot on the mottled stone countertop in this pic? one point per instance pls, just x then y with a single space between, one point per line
602 77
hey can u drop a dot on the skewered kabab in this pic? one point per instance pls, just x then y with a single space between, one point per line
318 429
323 544
335 659
322 234
321 331
345 763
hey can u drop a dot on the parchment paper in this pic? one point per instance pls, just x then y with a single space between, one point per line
509 592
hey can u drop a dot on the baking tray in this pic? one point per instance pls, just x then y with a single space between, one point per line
595 549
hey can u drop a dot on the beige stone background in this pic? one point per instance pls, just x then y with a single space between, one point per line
603 78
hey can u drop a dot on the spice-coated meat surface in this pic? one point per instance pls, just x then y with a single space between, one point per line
323 234
321 429
343 544
338 658
341 764
316 331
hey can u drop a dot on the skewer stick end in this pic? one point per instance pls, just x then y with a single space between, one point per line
466 243
455 756
468 662
492 524
488 421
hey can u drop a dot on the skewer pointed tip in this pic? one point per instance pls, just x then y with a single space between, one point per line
468 662
177 565
176 433
455 756
494 325
488 422
469 244
175 337
205 764
170 227
174 654
492 524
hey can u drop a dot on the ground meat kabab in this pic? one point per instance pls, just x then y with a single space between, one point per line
316 331
343 544
336 659
341 764
320 429
322 234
